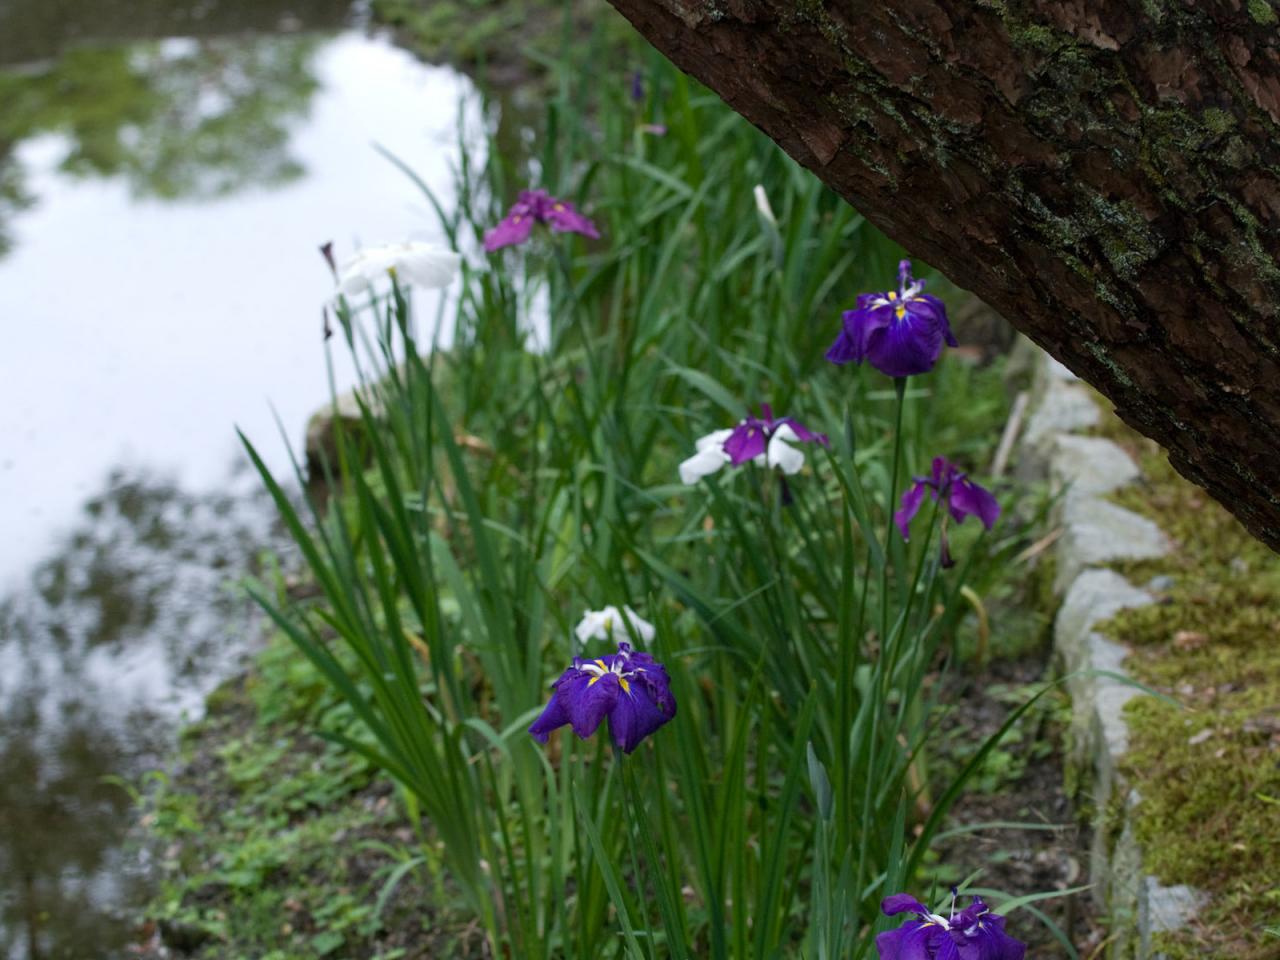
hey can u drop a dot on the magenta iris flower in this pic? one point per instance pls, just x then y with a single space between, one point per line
630 688
537 206
900 332
963 498
975 933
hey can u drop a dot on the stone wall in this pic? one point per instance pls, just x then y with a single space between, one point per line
1082 470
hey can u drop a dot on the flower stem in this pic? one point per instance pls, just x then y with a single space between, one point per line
900 388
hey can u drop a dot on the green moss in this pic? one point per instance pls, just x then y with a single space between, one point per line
1207 770
1038 37
1261 12
1218 122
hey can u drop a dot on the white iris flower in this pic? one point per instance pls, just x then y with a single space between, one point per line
421 264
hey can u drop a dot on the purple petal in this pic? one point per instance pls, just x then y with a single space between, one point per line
844 350
590 702
911 941
864 326
563 218
967 498
904 274
944 471
657 686
928 305
534 202
745 443
986 940
906 346
911 500
634 717
512 229
803 433
902 903
555 715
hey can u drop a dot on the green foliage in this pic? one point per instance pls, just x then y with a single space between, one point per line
493 492
272 842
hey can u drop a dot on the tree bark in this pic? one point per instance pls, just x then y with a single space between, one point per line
1105 173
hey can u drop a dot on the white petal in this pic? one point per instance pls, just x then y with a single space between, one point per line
591 626
429 266
423 264
643 628
702 464
714 439
762 204
781 454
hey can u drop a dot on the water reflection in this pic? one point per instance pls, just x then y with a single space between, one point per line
126 624
175 119
159 283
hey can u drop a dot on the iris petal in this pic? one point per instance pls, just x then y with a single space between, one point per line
905 347
901 903
781 454
745 443
844 350
591 701
562 217
634 717
911 941
967 498
555 715
514 228
911 500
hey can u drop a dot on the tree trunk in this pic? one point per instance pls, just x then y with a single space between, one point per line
1105 173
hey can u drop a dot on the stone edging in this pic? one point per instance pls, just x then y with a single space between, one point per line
1082 471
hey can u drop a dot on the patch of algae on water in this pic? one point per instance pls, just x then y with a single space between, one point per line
1208 771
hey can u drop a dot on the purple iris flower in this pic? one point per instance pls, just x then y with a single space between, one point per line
975 933
630 688
637 87
537 206
962 496
901 332
765 440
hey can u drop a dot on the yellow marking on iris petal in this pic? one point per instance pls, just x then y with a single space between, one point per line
558 208
592 681
517 218
626 687
602 665
900 311
893 294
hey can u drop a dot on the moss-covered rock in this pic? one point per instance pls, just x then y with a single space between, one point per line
1208 771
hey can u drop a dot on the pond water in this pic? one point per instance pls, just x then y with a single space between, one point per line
164 185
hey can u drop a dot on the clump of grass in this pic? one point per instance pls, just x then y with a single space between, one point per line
497 489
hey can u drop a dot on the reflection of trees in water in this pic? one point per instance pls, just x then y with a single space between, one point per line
62 826
177 119
136 602
147 563
14 197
